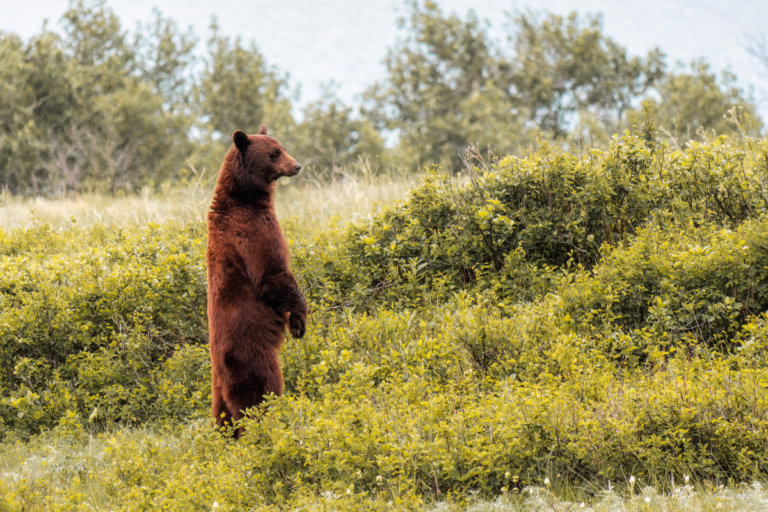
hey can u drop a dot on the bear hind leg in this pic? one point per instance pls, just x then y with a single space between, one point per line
222 414
250 393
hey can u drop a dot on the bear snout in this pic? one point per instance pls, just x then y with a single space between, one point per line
296 169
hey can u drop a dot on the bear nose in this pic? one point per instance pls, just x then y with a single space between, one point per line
297 168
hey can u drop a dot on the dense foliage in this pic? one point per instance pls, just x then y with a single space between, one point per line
98 108
105 324
580 318
90 109
514 221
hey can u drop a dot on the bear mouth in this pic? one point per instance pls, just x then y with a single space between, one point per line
288 174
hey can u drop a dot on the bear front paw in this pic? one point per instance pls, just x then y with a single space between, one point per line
297 326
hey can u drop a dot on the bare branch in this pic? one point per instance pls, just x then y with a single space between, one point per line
758 48
80 154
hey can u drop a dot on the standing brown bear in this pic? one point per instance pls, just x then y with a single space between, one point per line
252 294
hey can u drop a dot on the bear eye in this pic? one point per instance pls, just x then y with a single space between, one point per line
275 154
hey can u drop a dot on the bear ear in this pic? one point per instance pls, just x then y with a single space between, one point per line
241 140
263 130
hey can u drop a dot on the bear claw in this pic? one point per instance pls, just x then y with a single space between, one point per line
296 326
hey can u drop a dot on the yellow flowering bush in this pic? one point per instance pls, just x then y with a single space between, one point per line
555 322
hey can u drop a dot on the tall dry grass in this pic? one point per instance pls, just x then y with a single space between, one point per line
343 199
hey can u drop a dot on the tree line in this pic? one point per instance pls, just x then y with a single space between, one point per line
100 108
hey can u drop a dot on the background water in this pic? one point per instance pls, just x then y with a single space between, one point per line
318 41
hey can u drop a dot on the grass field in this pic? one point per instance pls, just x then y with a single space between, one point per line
631 379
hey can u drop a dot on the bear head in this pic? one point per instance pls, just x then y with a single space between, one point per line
263 160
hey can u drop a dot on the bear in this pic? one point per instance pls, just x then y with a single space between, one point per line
252 294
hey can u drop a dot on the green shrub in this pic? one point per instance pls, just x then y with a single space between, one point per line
413 438
91 322
702 281
92 319
518 218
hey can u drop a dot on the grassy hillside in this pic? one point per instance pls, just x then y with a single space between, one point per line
541 332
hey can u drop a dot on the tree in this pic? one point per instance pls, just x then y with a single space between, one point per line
695 104
164 59
78 114
330 139
449 86
441 81
758 48
132 141
36 97
562 68
237 91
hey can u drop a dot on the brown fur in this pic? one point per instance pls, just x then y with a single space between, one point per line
252 294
